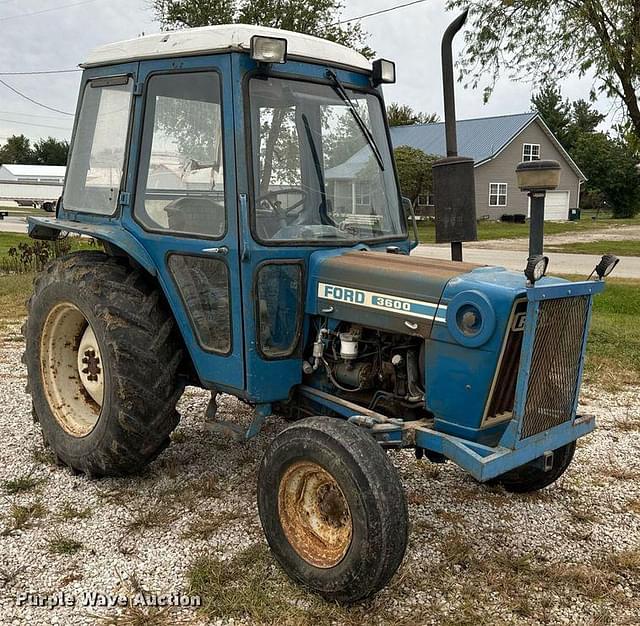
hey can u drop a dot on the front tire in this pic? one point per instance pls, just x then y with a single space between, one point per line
531 477
332 508
102 359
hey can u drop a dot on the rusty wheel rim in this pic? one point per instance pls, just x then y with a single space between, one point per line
314 514
72 370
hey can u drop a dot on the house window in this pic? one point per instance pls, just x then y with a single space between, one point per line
498 194
425 199
363 194
531 152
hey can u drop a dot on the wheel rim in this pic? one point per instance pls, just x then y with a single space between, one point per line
314 514
72 369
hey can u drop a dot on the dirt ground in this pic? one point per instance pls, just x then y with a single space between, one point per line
189 525
611 233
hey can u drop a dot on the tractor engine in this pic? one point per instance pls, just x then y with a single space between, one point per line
380 370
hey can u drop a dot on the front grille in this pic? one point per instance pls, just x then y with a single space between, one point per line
555 363
504 389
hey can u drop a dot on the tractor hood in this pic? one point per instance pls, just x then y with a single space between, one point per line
391 292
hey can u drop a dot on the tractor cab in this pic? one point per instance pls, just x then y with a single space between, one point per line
221 158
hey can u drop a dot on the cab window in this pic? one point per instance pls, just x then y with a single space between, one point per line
99 147
181 174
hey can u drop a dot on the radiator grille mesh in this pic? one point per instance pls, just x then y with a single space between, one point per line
555 363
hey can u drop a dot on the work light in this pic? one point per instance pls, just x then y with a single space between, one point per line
536 268
383 72
268 49
607 264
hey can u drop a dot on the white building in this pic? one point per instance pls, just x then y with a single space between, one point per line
52 174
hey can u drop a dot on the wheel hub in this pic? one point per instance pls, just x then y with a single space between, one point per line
314 514
72 369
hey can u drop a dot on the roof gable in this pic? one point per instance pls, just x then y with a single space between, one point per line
482 139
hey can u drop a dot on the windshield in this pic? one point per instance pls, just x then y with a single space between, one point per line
322 169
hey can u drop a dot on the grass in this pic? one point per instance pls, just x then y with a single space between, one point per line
613 351
21 517
623 247
14 291
21 484
69 512
505 230
61 544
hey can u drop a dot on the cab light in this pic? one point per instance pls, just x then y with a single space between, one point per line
268 49
383 72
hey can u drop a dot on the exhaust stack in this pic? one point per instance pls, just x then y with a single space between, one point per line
453 177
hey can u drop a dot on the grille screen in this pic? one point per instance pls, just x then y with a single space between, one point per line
557 351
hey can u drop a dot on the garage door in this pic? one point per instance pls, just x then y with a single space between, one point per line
556 207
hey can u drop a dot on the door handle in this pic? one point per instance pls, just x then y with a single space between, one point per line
221 250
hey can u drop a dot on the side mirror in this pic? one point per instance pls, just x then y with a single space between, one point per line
407 205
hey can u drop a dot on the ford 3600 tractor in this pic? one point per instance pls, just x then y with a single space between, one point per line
242 184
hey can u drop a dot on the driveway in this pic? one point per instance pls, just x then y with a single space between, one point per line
13 224
629 266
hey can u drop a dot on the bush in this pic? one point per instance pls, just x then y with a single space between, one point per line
33 256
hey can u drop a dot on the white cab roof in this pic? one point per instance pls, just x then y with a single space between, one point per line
226 38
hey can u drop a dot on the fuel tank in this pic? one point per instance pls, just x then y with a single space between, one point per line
390 292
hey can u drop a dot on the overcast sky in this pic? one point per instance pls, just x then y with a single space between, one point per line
60 39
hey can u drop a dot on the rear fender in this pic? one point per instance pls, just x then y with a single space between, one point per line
49 228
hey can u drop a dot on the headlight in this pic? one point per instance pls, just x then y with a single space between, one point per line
536 268
606 266
268 49
471 319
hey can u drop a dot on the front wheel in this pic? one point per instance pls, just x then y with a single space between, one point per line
532 476
332 508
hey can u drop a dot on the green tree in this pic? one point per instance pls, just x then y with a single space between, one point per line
554 110
610 166
17 150
546 40
403 114
414 171
313 17
50 151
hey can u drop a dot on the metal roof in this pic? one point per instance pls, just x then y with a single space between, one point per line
223 38
482 138
36 171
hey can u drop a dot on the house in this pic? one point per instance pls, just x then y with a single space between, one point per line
52 174
497 145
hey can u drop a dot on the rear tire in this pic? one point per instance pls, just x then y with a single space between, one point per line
531 477
332 508
102 358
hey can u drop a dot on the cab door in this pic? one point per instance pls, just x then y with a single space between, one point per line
182 205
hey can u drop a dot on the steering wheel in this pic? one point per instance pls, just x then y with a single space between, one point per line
269 200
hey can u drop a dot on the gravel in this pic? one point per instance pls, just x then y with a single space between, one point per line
568 555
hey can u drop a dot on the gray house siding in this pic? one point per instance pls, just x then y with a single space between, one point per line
501 169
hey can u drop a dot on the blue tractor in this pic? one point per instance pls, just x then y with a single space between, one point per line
242 185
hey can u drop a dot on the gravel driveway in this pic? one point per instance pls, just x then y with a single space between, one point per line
568 555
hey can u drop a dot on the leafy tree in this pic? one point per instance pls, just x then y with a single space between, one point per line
555 111
50 151
414 171
17 150
545 40
610 166
403 114
313 17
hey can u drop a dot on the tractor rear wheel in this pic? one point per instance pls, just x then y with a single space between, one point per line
332 508
532 477
102 359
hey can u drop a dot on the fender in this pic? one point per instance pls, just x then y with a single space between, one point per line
49 228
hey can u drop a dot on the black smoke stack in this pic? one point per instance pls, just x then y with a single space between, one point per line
453 177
